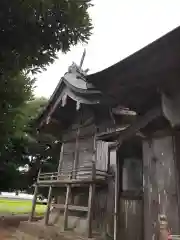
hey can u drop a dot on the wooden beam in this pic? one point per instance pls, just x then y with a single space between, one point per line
66 207
46 220
91 193
90 210
76 156
139 124
93 171
61 159
71 207
33 203
116 200
58 100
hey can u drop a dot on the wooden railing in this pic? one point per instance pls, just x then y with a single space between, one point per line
82 173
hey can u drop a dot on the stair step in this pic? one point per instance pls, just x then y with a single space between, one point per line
71 207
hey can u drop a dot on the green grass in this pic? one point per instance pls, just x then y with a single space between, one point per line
13 206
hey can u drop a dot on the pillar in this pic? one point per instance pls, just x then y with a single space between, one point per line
160 191
90 210
46 220
66 207
33 203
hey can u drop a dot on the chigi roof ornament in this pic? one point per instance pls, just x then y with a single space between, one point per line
77 76
74 68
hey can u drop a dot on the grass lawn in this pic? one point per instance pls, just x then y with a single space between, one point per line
18 206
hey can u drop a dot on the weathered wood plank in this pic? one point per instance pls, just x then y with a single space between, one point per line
132 195
136 126
116 198
71 207
176 153
90 210
160 192
102 155
76 154
33 203
130 225
68 192
46 219
61 158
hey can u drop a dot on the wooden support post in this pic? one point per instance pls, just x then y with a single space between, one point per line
93 170
90 210
140 123
60 159
66 207
46 220
91 193
94 160
33 203
76 155
116 201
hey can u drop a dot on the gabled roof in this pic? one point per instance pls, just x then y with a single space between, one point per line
71 91
134 82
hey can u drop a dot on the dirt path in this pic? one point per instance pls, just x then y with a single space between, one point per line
6 233
9 224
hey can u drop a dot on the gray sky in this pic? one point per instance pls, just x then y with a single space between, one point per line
121 27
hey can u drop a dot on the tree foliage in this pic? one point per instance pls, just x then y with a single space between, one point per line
23 154
13 92
33 31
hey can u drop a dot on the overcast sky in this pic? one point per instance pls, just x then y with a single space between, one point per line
121 27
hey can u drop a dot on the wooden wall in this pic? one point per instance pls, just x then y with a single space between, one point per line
131 201
132 174
79 141
130 210
68 156
160 190
85 153
100 209
102 155
130 219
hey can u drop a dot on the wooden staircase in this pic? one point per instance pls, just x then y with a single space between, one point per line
91 177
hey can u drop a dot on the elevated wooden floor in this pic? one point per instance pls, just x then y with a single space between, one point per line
86 175
81 176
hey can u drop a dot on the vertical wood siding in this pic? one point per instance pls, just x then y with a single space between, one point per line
130 219
68 156
160 192
102 155
85 152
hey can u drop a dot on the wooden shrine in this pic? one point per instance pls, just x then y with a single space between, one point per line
119 165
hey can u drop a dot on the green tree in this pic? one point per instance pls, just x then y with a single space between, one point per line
14 91
23 150
33 31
